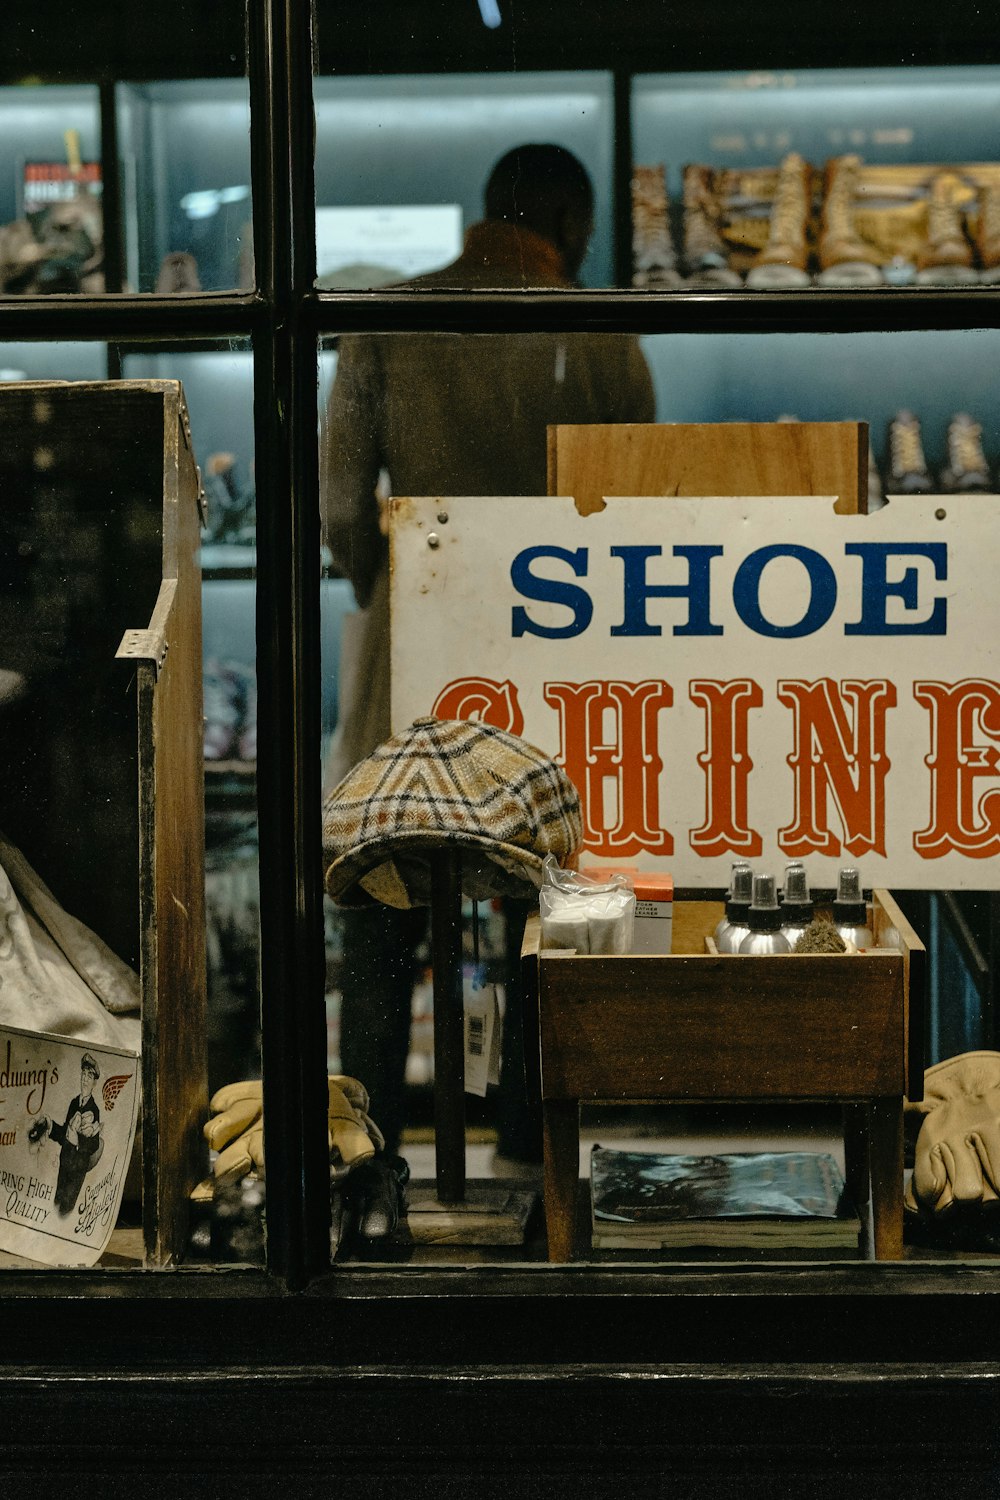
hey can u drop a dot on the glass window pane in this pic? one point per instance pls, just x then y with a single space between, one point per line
881 177
127 662
111 181
51 171
185 161
402 165
484 632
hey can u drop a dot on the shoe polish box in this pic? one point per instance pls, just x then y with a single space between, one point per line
654 905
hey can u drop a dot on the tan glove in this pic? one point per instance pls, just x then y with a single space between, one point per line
236 1129
354 1136
957 1158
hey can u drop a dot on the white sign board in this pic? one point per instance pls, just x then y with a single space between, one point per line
68 1113
374 246
726 678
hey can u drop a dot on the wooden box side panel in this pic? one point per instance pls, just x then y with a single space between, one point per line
710 458
692 922
888 921
809 1026
173 865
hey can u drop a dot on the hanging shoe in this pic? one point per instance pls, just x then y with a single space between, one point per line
966 471
946 259
908 471
845 258
705 259
654 261
987 237
783 260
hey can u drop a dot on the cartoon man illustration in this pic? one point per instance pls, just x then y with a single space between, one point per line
80 1137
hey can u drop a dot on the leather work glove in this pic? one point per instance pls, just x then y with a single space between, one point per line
957 1157
236 1129
354 1136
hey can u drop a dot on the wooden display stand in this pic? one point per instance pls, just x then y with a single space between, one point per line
699 1026
100 536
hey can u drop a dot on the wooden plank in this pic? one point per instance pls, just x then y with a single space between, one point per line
693 922
709 458
887 914
561 1141
172 863
489 1214
701 1027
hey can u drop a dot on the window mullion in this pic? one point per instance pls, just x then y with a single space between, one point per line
288 765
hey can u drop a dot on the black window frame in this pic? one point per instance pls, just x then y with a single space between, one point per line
858 1328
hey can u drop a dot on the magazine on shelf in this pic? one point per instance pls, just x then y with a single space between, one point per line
778 1199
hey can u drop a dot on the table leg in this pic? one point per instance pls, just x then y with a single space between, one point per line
561 1145
856 1168
885 1137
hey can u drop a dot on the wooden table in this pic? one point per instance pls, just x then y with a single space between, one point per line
701 1026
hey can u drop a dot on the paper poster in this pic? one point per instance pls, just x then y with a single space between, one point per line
68 1114
361 246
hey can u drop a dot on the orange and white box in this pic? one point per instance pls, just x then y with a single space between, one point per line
654 904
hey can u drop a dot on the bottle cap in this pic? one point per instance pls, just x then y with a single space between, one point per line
849 907
765 913
740 892
797 907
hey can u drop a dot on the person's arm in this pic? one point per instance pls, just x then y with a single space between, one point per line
350 461
57 1132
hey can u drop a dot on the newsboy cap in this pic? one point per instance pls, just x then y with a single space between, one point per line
441 783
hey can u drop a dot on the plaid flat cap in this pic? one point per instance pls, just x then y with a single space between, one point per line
448 782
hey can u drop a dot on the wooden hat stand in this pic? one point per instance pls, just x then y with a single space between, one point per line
456 1211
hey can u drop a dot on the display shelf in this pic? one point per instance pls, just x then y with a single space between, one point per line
887 115
833 377
860 177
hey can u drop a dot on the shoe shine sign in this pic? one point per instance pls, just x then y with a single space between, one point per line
723 678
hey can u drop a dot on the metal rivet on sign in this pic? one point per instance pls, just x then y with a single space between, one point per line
941 514
433 540
442 517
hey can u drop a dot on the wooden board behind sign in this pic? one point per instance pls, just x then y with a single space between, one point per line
710 458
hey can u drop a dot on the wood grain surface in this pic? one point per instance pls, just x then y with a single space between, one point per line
710 458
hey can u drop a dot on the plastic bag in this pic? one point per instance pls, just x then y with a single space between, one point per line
584 915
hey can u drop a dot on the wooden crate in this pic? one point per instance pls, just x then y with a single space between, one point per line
100 611
696 1025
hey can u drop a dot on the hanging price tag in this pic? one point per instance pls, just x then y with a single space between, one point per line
482 1040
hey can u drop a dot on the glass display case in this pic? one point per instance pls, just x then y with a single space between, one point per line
830 177
185 165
